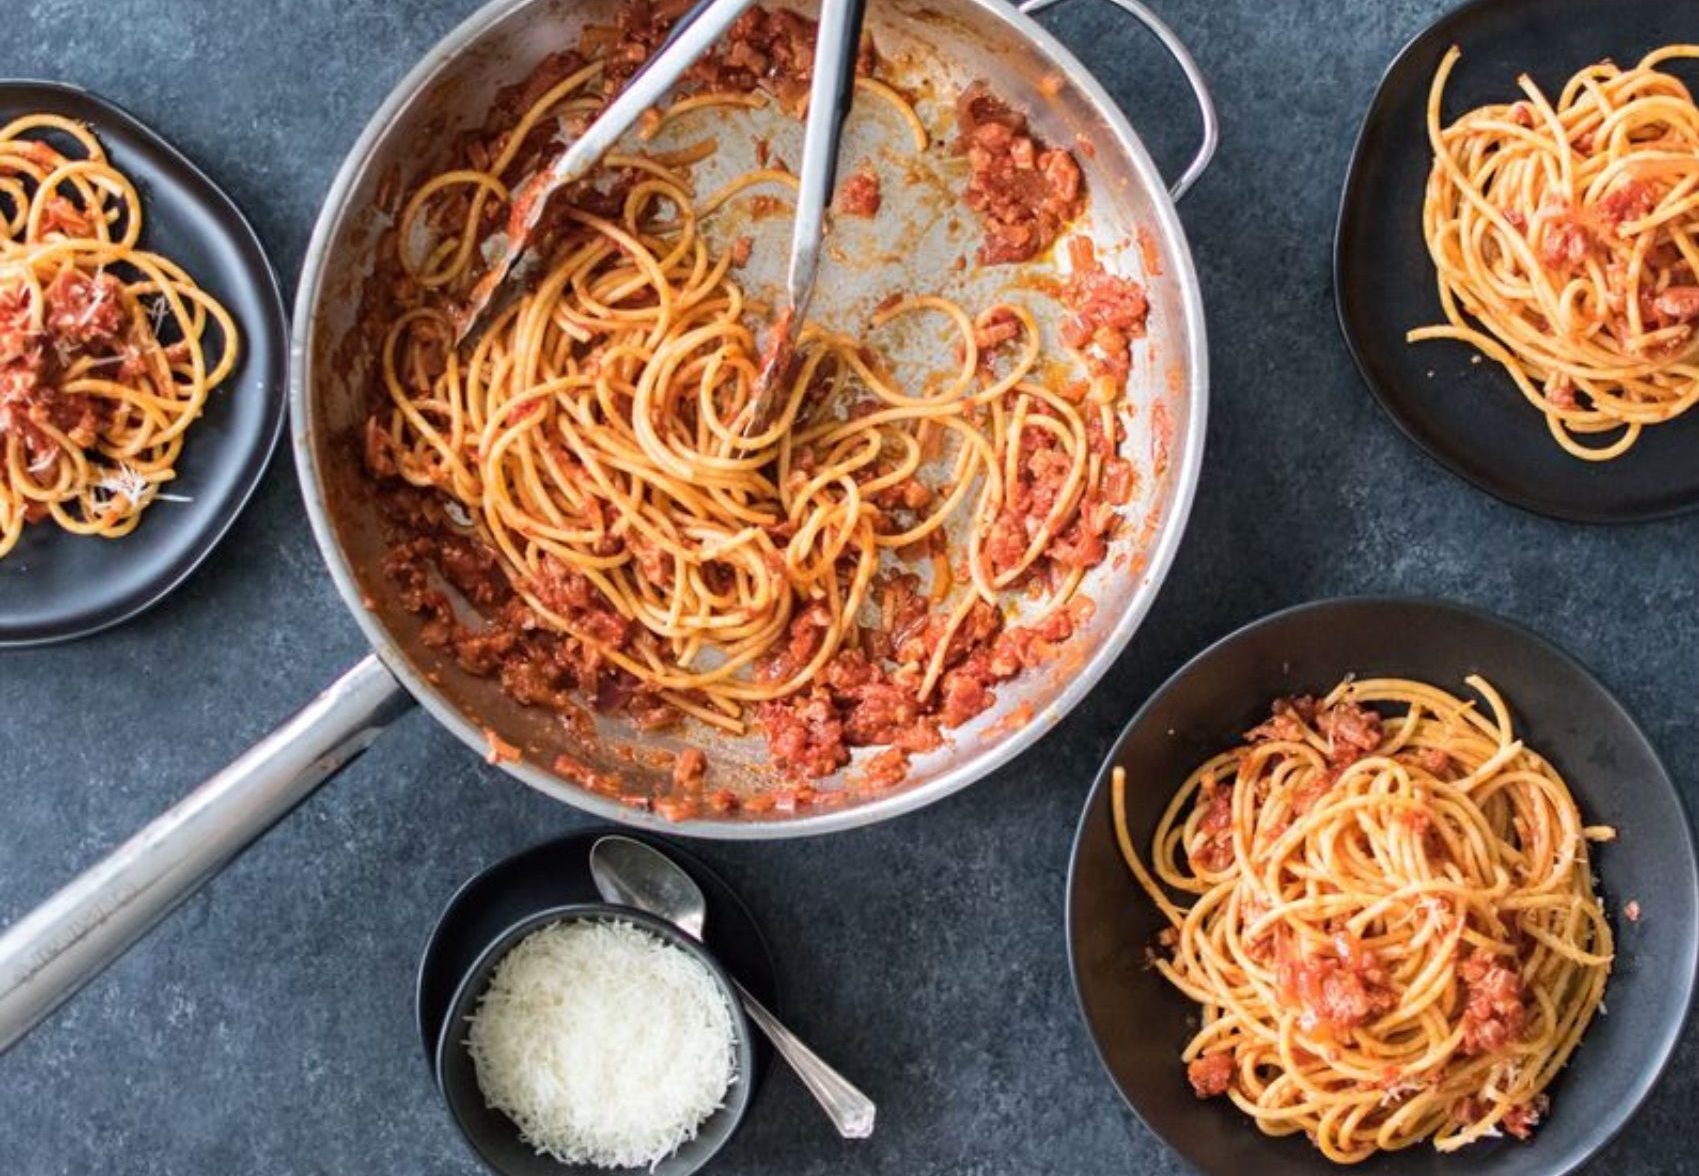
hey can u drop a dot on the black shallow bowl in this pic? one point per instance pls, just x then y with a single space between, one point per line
1139 1023
493 1135
555 873
1470 417
54 585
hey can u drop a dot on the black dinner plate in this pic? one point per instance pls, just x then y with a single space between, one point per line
54 585
556 873
1469 416
1139 1023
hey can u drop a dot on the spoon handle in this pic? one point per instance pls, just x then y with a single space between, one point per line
850 1110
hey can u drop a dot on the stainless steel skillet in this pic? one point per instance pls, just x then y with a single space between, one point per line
935 48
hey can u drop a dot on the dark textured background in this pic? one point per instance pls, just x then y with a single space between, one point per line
268 1026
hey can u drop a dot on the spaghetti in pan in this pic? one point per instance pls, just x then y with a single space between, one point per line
577 469
1383 903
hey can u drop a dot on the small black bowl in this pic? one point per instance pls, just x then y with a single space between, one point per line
1139 1022
1463 409
556 873
495 1138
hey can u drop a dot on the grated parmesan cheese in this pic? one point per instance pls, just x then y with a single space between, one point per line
605 1044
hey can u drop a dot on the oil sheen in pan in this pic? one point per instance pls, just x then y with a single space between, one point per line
54 585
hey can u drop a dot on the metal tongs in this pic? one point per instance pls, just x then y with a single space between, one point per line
830 96
693 35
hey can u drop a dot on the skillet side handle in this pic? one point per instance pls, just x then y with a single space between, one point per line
50 953
1194 78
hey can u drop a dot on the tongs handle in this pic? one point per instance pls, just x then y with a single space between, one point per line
837 44
831 93
693 35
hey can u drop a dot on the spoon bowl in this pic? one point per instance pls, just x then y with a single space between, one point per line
632 874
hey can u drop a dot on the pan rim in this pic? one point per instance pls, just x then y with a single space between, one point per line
1180 269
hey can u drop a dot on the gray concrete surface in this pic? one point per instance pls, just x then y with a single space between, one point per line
268 1026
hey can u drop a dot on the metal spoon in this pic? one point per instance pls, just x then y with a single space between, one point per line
633 874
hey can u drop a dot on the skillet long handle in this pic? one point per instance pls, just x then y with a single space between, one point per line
50 953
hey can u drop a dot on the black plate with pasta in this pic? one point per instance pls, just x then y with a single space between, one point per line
1458 405
56 584
1647 884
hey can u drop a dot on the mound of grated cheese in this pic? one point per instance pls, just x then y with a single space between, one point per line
605 1044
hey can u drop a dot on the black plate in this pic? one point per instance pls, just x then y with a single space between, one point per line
553 874
55 585
1140 1023
1470 417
